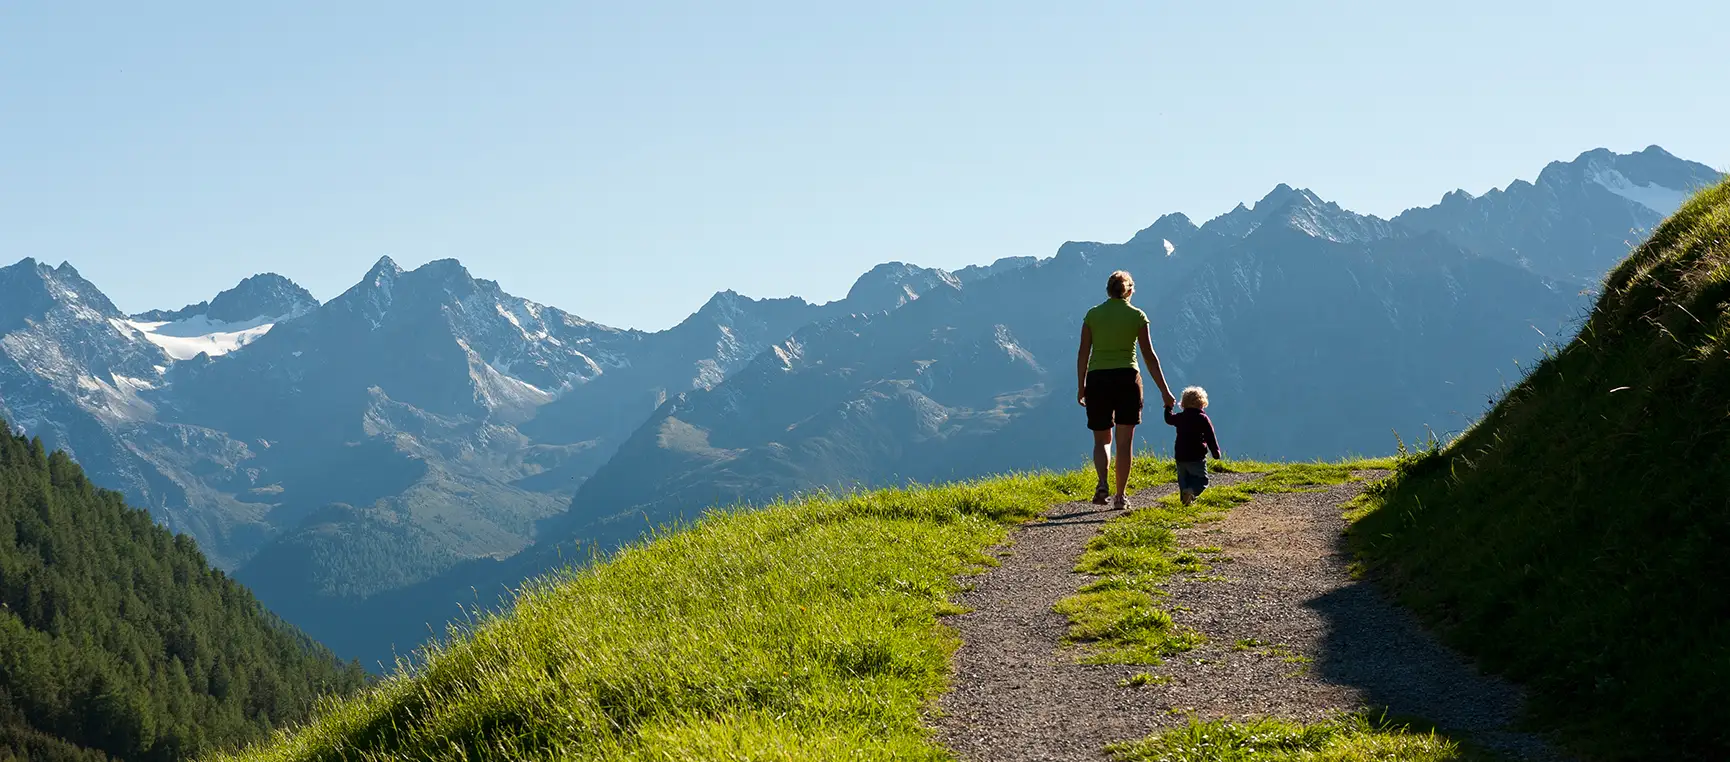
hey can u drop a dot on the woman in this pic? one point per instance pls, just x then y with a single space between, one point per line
1108 382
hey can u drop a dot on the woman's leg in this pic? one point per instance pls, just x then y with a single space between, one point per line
1101 453
1125 444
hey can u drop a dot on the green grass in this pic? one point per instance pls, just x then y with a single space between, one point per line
803 630
1143 679
1577 539
1353 738
1118 619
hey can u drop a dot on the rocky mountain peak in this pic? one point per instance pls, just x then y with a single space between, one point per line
60 329
263 295
384 268
1456 197
444 282
373 296
1302 210
1242 220
30 289
892 284
1652 177
1574 223
1175 227
724 306
266 295
442 270
972 273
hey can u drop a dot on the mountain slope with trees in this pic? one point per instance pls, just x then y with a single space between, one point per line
1575 539
117 639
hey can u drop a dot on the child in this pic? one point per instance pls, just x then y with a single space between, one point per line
1194 441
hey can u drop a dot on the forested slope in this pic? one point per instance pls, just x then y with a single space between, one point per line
117 639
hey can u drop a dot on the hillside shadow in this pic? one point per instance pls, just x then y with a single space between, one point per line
1380 650
1072 517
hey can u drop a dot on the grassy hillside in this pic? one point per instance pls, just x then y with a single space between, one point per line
1353 738
118 641
1578 538
801 631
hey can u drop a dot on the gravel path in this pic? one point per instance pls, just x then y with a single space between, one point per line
1314 642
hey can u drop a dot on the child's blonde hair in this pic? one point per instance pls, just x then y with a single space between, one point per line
1195 397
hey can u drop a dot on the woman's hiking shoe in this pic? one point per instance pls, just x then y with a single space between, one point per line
1120 502
1101 495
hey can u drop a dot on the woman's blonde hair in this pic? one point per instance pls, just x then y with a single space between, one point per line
1195 397
1119 285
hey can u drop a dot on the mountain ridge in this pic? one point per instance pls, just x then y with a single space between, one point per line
1576 221
261 295
439 421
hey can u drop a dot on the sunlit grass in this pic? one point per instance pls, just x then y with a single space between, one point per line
1353 738
805 630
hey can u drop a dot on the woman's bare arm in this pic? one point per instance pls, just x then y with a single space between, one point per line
1153 367
1081 356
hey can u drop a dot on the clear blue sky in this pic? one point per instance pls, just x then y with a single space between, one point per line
625 160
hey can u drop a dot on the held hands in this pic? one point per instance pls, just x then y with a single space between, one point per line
1169 400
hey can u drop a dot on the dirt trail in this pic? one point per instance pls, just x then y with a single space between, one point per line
1289 634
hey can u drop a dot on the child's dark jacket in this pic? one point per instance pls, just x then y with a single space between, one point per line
1195 437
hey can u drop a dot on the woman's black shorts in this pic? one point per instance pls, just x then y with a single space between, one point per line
1113 398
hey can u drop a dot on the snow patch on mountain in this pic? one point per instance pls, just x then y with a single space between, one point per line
189 338
1006 341
1331 222
508 397
115 400
1658 198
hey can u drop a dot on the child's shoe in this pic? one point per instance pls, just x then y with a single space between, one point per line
1187 496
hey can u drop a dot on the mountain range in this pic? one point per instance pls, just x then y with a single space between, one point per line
367 462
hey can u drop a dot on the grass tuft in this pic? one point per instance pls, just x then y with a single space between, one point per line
1143 679
1353 738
